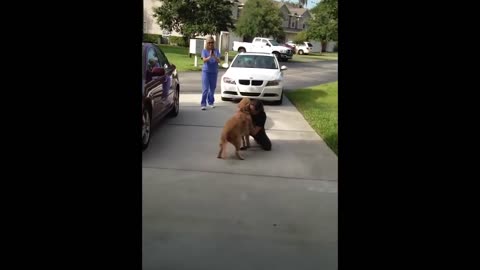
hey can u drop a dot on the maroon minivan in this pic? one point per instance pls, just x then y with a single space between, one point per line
160 89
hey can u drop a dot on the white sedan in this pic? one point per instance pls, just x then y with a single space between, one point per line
253 75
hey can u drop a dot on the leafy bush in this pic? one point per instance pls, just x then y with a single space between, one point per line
152 38
179 41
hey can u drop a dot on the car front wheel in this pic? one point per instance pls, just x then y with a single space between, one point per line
176 104
279 102
146 128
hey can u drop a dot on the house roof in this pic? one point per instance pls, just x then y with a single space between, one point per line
299 11
291 9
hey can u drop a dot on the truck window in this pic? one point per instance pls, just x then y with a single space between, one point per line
274 43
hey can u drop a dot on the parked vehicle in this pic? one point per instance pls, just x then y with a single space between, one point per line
291 47
291 43
253 75
264 45
160 89
302 48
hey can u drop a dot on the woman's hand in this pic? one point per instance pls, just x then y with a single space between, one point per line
212 54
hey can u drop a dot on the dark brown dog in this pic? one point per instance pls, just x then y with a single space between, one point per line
236 128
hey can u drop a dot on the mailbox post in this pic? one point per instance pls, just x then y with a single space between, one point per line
196 47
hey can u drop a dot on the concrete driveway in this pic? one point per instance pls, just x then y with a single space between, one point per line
273 210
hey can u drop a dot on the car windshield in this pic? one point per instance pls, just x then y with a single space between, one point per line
274 43
255 61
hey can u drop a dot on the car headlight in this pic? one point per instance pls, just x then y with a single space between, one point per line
229 80
273 83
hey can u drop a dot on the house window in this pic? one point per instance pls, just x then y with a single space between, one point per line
303 26
293 25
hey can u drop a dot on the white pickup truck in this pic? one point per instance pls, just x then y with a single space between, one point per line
264 45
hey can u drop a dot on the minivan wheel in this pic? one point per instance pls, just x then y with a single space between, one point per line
146 128
176 104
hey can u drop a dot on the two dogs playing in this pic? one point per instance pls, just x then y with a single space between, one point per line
237 130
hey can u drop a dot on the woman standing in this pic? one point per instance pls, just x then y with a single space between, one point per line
211 58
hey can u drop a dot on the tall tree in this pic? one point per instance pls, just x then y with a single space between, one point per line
260 18
324 24
195 17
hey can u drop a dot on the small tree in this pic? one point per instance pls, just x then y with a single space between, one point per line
300 38
260 18
324 25
195 17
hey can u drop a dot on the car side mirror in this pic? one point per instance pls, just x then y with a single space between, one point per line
283 68
225 65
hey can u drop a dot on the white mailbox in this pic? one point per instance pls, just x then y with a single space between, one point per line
196 46
224 42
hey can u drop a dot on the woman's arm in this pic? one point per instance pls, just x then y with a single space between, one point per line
206 57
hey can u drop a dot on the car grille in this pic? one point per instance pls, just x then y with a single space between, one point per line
289 52
253 82
270 95
250 94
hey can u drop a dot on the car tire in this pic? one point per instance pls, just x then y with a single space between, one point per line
176 104
146 128
300 52
240 50
279 102
278 56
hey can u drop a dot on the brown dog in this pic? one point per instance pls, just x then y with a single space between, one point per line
236 128
244 106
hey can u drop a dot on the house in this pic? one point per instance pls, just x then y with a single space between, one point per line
295 19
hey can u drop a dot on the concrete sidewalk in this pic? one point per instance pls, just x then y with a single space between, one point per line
273 210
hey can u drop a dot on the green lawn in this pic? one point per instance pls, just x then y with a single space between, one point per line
314 57
319 106
179 56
